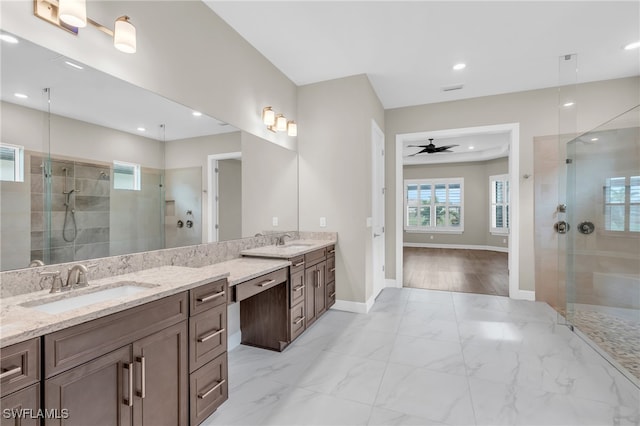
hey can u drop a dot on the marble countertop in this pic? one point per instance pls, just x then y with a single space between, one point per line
291 249
245 268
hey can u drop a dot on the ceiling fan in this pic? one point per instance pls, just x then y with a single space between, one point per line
431 148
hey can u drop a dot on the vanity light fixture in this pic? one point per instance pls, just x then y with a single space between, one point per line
292 128
281 123
70 15
268 116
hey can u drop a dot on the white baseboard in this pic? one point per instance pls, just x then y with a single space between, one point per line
457 246
392 283
234 340
355 307
524 295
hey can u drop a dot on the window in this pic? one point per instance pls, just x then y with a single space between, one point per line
499 192
126 176
434 205
622 204
11 163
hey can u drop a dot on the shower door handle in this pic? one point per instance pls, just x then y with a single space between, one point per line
561 227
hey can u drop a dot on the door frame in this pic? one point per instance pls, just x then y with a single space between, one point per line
377 209
212 199
514 197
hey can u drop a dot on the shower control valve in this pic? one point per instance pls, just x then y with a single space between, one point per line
180 224
586 227
189 224
561 227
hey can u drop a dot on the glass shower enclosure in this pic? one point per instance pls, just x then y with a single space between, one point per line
602 246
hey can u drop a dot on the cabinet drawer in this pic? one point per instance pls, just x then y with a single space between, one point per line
331 294
314 257
296 292
207 336
331 268
73 346
208 296
297 320
16 404
297 264
20 365
208 389
331 251
252 287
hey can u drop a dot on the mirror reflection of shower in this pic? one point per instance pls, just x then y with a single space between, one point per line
70 226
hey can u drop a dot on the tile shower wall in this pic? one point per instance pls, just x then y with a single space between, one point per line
81 230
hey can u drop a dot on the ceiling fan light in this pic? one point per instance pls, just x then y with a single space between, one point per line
124 35
73 12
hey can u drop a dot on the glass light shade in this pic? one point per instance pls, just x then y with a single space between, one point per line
124 35
268 116
73 12
292 128
281 123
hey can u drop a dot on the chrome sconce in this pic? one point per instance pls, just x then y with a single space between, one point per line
278 122
71 15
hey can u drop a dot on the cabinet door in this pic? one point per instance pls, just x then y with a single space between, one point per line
96 393
320 295
161 378
20 408
310 278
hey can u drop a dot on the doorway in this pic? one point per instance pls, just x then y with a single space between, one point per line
377 208
446 239
225 188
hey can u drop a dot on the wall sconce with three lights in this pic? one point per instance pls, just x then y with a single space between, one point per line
278 122
70 15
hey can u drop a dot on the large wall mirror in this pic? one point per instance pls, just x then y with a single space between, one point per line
92 166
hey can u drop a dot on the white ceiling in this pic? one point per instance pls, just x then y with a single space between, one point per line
95 97
408 48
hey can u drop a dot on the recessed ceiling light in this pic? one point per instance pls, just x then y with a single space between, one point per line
471 147
594 139
631 46
8 38
568 104
20 95
459 66
72 65
142 129
196 113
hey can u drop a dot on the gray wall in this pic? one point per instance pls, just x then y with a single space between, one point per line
230 197
476 201
334 145
537 113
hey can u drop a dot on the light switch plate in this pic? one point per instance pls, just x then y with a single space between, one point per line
275 221
323 222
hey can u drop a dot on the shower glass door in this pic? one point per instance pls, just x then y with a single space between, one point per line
602 244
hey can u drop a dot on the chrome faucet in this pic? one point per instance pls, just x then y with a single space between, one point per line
280 239
77 277
35 263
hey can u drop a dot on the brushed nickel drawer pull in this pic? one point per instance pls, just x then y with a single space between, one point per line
10 372
143 369
209 336
318 283
299 288
298 264
129 367
332 251
210 297
299 320
332 294
207 393
332 270
266 283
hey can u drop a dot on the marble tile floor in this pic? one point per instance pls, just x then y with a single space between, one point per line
425 357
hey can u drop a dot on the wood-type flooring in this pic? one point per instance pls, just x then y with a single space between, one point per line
468 271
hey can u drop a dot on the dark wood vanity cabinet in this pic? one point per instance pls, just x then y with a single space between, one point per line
331 277
19 383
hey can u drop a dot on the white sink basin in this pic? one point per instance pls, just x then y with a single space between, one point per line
296 246
81 298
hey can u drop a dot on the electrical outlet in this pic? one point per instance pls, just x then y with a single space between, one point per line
323 222
275 221
504 241
431 237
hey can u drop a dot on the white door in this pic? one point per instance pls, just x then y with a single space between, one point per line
377 208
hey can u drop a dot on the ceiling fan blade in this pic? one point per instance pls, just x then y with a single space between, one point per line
446 147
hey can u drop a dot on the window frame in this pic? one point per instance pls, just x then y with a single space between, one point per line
626 204
18 162
504 230
135 168
433 204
